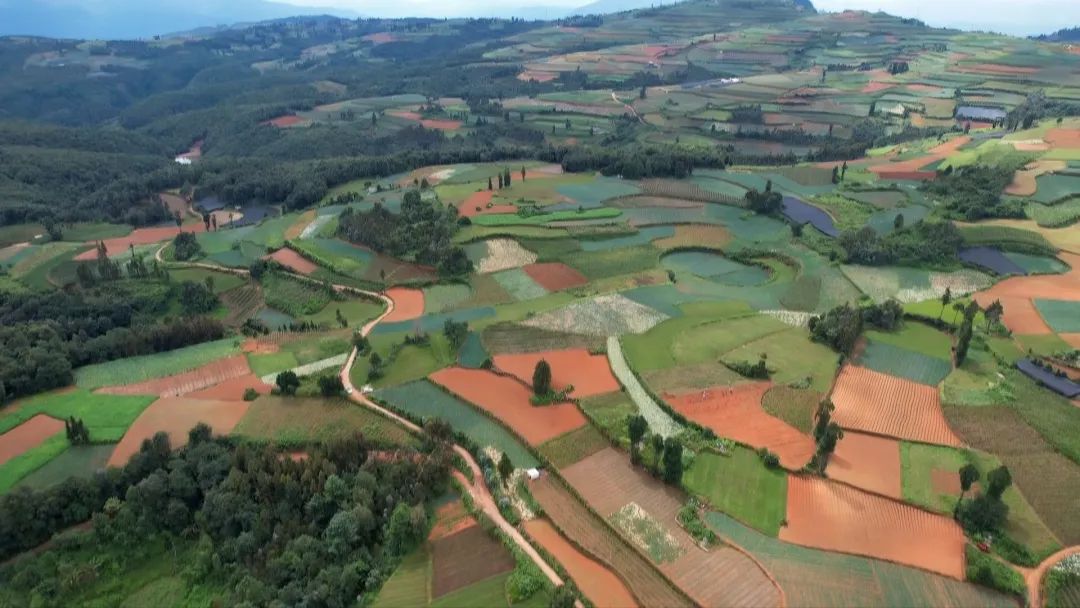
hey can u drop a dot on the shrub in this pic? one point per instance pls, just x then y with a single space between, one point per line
989 572
250 394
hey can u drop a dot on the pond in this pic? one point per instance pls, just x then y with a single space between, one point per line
805 213
716 267
977 113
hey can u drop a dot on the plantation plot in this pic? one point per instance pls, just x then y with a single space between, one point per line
740 485
141 236
597 583
408 304
896 361
835 517
106 416
514 338
719 577
519 284
79 461
179 384
877 403
464 558
736 413
176 416
508 400
588 374
158 365
293 261
28 436
868 462
555 276
1063 316
503 254
601 316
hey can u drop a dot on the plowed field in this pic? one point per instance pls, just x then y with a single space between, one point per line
720 577
589 374
600 585
555 276
141 236
836 517
735 412
232 389
28 435
868 462
477 204
290 259
180 384
176 416
1018 293
649 587
508 400
408 304
466 557
877 403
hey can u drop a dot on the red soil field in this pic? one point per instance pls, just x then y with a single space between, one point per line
538 76
508 400
923 88
723 576
1073 340
590 374
464 558
480 199
881 404
292 260
945 482
910 169
259 347
875 86
450 518
140 236
428 123
282 122
599 584
408 304
1017 295
1021 316
28 436
836 517
232 390
904 175
179 384
195 152
380 38
176 416
1063 138
555 276
543 171
868 462
735 412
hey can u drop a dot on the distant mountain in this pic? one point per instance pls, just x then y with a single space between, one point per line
126 19
1071 34
600 7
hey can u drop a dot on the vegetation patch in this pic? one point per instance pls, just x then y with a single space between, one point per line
740 485
106 416
795 406
896 361
157 365
642 529
571 447
298 421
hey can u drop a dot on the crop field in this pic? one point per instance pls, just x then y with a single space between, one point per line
897 361
1063 316
573 446
27 436
150 367
424 400
80 461
721 576
792 356
176 416
741 486
465 558
179 384
736 413
519 284
868 462
106 416
1058 215
292 296
913 285
594 579
873 402
600 316
502 254
300 421
588 374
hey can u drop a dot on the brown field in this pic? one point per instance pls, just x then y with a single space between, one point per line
994 68
513 338
180 384
589 374
476 204
595 581
293 261
1024 184
875 86
538 76
466 557
508 400
1021 316
1048 480
449 519
140 236
176 416
835 517
380 38
868 462
1063 137
555 276
428 123
1017 295
408 304
881 404
720 577
695 234
911 169
282 122
735 412
297 228
232 389
600 541
175 203
28 436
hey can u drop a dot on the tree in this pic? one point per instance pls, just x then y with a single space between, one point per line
993 313
843 169
196 299
641 93
637 426
997 481
898 221
523 173
288 382
673 468
199 433
541 380
963 340
489 183
505 467
958 307
835 174
564 597
331 386
185 247
946 298
658 452
456 333
984 513
969 474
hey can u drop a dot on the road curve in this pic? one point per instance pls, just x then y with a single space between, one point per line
476 489
1034 577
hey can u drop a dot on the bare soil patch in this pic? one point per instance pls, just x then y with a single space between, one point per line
408 304
881 404
176 416
589 374
945 482
449 519
179 384
282 122
464 558
293 261
28 436
600 585
140 236
555 276
868 462
837 517
232 389
1063 138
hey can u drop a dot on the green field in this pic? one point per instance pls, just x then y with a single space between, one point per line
791 357
81 461
1063 316
512 219
293 296
1058 215
408 585
519 285
296 421
896 361
357 312
15 469
675 341
609 414
568 448
423 399
223 281
741 486
795 406
916 337
158 365
106 416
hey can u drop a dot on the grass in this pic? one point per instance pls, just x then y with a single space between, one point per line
271 363
741 486
1053 416
918 461
223 281
512 219
294 297
609 413
602 264
656 348
1006 238
1042 344
986 570
932 309
158 365
357 312
568 448
413 362
106 416
1062 316
1060 215
917 337
81 461
488 592
408 585
424 400
975 383
792 357
795 406
29 461
298 421
848 214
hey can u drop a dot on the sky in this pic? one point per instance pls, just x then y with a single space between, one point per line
1017 17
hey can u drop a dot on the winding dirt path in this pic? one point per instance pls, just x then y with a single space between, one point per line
628 107
1034 576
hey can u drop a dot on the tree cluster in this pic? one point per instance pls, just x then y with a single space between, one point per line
919 243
